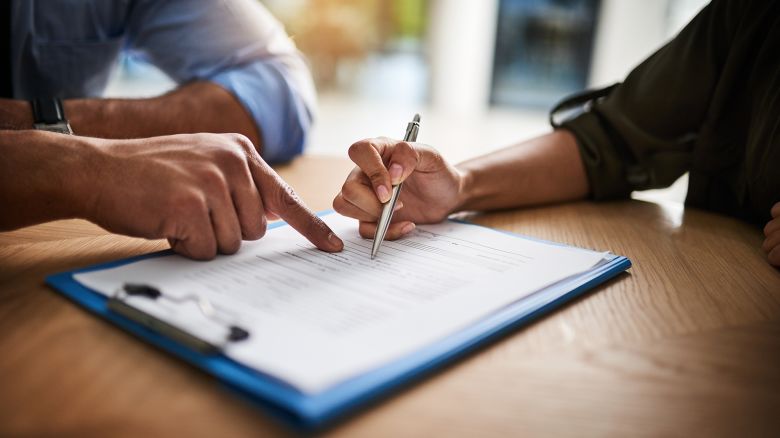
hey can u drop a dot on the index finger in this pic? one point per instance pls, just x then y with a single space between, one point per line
386 162
279 198
367 154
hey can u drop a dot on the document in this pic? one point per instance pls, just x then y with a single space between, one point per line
316 319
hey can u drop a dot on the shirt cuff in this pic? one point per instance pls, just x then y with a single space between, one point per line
279 111
603 162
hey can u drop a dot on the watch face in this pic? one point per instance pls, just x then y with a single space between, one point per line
61 127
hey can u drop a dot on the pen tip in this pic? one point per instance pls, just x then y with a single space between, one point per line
417 118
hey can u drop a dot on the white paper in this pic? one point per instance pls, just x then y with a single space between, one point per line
316 319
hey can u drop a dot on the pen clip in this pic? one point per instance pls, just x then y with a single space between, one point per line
412 128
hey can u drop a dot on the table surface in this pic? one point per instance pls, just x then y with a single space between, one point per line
687 342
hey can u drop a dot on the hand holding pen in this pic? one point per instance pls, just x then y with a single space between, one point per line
389 207
432 187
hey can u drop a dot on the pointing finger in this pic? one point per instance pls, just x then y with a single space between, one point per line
280 199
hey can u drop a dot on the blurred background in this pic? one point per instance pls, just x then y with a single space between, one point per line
482 73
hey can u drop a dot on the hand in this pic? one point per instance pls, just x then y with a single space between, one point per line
771 245
432 187
203 192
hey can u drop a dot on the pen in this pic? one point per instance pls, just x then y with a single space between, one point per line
387 211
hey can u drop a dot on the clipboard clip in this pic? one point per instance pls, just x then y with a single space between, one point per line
118 304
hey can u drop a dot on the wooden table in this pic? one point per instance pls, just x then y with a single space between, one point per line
687 343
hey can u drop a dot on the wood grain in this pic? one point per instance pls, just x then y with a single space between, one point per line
687 343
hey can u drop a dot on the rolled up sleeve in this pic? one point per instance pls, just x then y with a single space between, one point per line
240 46
642 135
281 114
604 165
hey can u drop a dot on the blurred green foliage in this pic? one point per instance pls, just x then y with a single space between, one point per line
410 17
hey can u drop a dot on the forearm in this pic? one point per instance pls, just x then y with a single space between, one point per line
543 170
43 177
195 107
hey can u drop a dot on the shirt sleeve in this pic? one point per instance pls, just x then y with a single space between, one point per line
240 46
642 135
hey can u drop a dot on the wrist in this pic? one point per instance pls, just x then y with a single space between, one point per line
15 114
84 118
44 176
486 184
466 188
79 164
49 115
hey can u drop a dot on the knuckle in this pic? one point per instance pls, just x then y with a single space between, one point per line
376 176
405 148
240 140
366 229
357 147
432 152
262 226
237 146
196 247
349 191
203 254
286 197
233 164
212 177
409 153
188 202
290 197
317 227
231 157
201 138
768 228
231 246
256 229
338 203
343 207
356 177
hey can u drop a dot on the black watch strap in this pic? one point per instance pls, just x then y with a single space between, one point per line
49 115
48 111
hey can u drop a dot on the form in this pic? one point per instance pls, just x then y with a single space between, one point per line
316 319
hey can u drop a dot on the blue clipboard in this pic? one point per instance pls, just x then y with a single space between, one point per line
307 411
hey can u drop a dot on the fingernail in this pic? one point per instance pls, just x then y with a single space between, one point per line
383 194
408 228
334 239
395 173
398 205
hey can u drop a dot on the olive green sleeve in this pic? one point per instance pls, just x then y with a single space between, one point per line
642 135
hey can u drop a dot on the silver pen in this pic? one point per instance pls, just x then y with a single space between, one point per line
387 211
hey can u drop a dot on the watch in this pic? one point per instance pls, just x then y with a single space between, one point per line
49 115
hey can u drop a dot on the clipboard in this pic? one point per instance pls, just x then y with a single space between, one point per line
315 411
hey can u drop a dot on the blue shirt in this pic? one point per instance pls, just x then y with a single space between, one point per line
67 49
